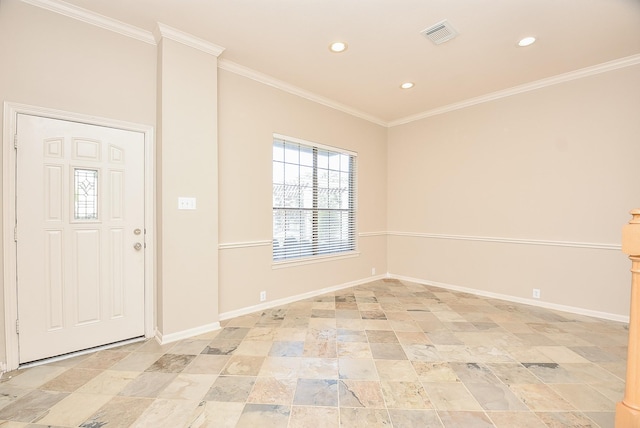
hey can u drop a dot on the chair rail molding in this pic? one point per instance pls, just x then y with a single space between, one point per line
521 241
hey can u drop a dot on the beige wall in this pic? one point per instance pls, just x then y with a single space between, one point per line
187 167
555 164
250 113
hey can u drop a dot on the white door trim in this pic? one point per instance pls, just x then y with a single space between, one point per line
11 111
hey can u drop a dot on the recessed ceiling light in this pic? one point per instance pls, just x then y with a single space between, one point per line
526 41
338 47
407 85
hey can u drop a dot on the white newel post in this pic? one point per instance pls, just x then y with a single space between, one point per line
628 410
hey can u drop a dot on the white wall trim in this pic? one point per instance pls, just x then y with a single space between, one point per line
11 111
246 244
287 87
296 298
508 298
591 245
94 18
163 339
171 33
368 234
518 241
269 242
532 86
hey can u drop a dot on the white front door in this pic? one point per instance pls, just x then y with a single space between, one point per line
80 236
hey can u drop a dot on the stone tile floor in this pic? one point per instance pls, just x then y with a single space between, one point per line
387 353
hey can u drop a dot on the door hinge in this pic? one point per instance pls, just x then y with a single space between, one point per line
15 141
15 234
17 326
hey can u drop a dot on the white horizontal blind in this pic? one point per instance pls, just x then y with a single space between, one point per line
314 200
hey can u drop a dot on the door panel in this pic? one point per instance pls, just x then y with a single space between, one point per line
79 199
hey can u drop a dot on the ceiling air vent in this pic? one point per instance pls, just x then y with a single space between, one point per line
440 32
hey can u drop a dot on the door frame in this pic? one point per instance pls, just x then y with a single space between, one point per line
11 111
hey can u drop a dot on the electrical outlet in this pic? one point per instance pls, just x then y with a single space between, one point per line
373 271
536 293
263 296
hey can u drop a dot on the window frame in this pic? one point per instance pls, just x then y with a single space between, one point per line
318 255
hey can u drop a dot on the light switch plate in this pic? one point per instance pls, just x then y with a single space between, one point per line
186 203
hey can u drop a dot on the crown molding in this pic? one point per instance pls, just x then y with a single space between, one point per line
93 18
249 73
532 86
164 31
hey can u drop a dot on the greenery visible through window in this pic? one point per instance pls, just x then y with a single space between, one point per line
314 200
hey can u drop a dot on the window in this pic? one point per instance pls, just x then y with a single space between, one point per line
314 199
85 183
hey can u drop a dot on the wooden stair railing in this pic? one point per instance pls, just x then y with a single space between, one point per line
628 410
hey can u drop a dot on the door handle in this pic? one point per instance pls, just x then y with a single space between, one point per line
137 246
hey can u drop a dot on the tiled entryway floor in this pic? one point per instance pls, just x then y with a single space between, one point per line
387 353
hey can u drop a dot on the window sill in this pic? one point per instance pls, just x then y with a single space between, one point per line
312 260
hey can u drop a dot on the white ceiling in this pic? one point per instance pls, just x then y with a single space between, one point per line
288 40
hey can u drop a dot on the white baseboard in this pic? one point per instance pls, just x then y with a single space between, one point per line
169 338
297 297
163 339
508 298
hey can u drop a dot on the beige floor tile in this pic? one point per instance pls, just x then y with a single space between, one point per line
405 395
70 380
451 396
280 367
269 390
262 333
566 419
314 417
561 354
318 368
190 346
188 387
434 372
264 415
137 361
102 360
167 413
583 397
109 382
363 417
465 419
34 377
119 411
360 369
74 409
243 365
516 419
256 348
353 350
360 393
148 385
404 418
396 370
539 397
207 364
212 414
